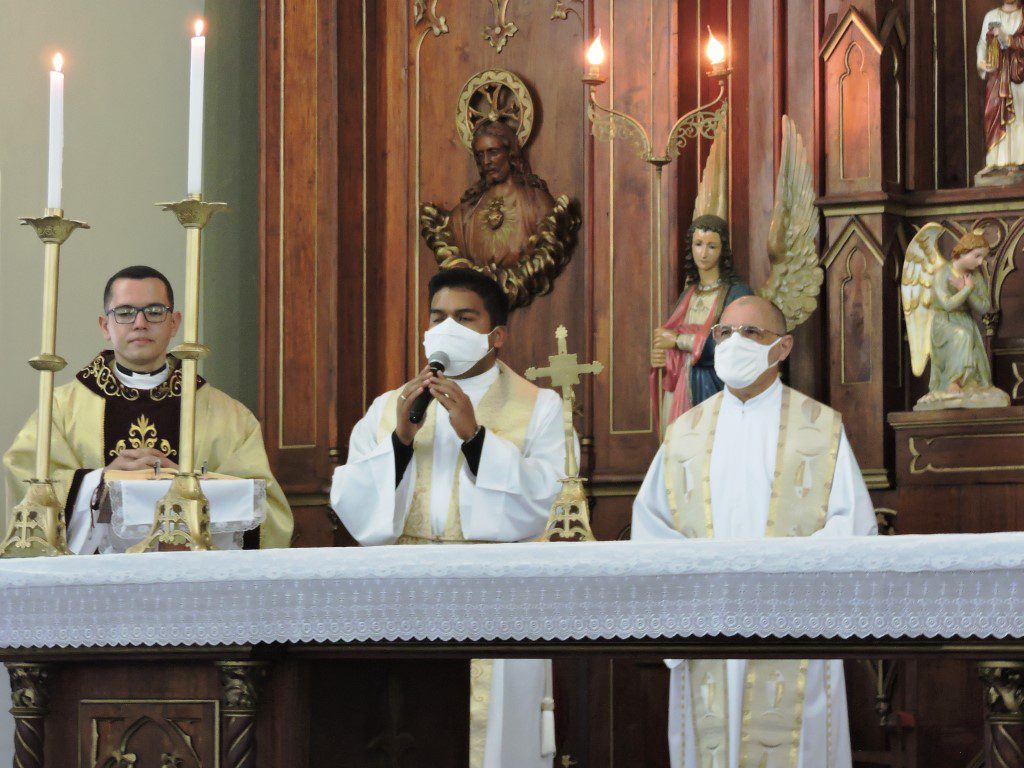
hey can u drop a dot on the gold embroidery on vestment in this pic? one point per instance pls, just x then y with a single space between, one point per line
110 385
143 434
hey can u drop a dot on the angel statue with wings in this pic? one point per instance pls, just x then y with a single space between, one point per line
938 298
683 350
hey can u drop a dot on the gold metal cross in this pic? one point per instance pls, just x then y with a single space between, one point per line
564 370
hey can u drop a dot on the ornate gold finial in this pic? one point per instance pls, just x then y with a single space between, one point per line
570 514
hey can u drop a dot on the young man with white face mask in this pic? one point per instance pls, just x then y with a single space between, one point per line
774 463
483 466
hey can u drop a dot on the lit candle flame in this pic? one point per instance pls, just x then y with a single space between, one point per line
595 53
58 62
200 27
715 50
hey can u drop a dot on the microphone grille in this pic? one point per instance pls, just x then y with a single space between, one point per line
441 359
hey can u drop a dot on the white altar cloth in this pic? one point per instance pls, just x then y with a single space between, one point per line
946 586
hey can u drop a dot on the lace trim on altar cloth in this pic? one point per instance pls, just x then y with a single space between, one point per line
236 506
944 586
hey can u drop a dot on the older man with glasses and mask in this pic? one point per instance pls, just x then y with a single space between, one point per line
123 411
757 460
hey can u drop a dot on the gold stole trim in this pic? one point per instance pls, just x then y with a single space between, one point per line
804 467
481 672
709 697
505 410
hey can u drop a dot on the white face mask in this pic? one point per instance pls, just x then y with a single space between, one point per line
464 346
739 360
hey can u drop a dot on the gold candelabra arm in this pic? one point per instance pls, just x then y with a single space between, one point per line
609 124
704 121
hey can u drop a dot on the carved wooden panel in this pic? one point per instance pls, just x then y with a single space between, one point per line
983 445
163 734
853 102
857 334
299 239
863 333
390 712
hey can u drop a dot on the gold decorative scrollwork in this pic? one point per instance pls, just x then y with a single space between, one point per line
704 124
99 371
427 9
28 687
1004 711
886 519
499 33
546 255
240 681
143 434
563 8
494 95
1004 683
916 455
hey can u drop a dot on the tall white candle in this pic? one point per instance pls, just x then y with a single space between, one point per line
195 111
55 169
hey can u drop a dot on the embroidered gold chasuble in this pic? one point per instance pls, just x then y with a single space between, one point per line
808 444
505 410
96 416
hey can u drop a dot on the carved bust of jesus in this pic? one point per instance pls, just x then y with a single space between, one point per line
497 215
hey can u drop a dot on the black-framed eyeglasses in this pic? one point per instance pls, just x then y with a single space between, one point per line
722 332
126 313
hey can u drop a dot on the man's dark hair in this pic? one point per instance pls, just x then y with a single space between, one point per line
495 300
138 272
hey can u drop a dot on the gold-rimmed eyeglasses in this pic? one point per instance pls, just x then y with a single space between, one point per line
721 332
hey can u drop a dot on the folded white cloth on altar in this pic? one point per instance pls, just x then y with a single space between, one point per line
235 505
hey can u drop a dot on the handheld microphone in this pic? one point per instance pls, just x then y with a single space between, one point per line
437 362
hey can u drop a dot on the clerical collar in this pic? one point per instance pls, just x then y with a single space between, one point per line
480 381
772 392
137 380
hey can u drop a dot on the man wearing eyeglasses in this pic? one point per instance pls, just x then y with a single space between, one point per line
757 460
123 411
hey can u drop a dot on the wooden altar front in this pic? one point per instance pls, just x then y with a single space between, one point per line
365 706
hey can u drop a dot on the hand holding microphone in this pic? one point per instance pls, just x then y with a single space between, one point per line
437 363
416 396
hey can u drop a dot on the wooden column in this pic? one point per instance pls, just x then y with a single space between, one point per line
864 104
28 705
1004 713
241 681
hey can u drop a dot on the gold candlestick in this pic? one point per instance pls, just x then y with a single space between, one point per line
570 514
183 515
37 523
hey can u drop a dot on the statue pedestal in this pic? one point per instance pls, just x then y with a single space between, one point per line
999 176
959 447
